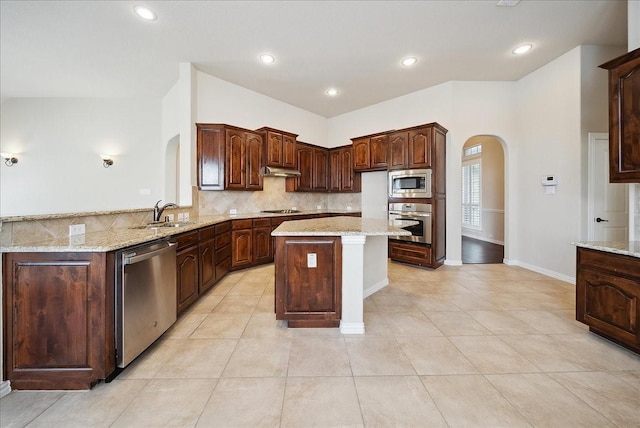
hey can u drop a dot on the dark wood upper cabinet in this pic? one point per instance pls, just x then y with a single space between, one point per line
313 164
624 118
253 161
370 153
342 177
279 147
398 150
320 169
235 164
228 158
419 148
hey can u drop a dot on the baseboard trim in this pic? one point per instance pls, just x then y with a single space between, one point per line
351 327
448 262
375 287
5 388
547 272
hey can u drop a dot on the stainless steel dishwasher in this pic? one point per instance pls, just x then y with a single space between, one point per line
145 297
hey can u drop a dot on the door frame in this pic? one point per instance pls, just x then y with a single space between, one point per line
593 137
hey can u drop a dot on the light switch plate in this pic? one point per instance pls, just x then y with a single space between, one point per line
312 260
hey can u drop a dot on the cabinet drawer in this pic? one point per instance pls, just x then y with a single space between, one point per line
411 253
262 222
207 233
223 240
241 224
222 253
187 239
223 267
223 227
614 263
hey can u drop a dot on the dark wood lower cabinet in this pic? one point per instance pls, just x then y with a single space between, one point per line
404 251
608 296
187 271
58 308
307 295
58 319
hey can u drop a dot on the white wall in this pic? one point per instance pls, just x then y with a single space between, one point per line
58 142
222 102
548 118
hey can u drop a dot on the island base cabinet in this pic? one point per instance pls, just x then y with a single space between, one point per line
608 296
308 281
58 319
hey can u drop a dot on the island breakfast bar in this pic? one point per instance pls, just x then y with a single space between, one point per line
325 268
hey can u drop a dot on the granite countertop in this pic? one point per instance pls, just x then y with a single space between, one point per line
339 226
116 239
626 248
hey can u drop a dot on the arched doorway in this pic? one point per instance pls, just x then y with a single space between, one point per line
483 200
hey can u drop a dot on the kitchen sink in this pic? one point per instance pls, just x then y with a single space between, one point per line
280 211
162 224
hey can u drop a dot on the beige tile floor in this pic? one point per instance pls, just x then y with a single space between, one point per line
477 345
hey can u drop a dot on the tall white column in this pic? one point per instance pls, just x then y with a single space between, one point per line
352 321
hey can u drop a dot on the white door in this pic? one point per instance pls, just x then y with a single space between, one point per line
608 209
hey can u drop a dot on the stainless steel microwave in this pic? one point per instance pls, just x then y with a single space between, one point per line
410 183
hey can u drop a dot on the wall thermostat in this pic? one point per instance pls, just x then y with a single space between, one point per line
549 180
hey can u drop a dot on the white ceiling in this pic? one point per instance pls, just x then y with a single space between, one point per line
101 49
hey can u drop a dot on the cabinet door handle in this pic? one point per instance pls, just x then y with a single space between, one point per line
598 220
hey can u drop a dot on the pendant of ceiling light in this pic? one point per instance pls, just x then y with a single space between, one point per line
522 49
145 13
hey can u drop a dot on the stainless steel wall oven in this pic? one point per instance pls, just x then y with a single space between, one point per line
419 213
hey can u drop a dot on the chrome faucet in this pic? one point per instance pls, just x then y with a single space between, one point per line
158 210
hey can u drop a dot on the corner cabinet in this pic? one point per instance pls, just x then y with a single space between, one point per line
624 118
228 158
279 147
608 295
58 319
313 164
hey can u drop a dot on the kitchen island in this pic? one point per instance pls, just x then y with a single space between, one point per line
608 290
326 267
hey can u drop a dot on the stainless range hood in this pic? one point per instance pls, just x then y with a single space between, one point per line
270 171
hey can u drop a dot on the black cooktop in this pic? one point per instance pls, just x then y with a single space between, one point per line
280 211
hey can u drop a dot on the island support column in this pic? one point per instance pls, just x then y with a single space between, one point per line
352 321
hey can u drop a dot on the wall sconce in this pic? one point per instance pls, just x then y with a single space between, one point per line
9 159
107 160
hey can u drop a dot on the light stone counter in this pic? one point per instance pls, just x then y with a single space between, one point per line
625 248
115 239
341 226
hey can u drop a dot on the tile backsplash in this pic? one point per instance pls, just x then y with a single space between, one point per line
273 196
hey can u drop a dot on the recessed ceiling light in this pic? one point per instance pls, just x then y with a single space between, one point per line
522 49
145 13
508 3
267 58
332 92
409 61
